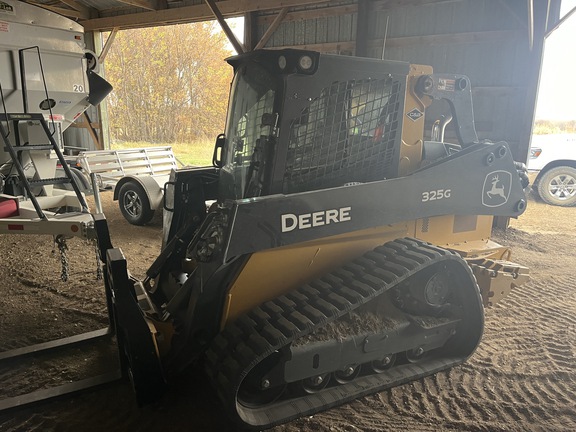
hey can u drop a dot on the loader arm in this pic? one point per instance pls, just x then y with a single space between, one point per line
279 220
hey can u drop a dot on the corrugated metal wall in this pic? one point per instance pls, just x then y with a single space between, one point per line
327 29
484 39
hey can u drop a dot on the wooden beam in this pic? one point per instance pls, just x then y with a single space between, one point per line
250 30
228 8
393 4
144 4
83 125
448 39
70 13
225 27
325 12
362 28
561 21
401 42
87 123
107 45
531 24
273 27
329 47
77 6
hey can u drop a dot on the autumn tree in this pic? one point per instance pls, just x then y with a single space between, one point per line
170 83
544 127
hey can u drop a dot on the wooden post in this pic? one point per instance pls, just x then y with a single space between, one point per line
231 37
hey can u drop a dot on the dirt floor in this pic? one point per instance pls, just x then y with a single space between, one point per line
522 377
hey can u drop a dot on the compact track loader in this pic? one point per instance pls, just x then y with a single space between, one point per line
329 252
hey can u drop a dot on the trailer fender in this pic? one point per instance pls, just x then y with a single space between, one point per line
151 186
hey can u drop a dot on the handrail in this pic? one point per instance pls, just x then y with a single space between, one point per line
25 88
5 111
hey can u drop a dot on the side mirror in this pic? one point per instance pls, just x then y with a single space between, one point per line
218 150
168 195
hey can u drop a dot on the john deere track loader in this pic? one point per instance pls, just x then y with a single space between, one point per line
329 252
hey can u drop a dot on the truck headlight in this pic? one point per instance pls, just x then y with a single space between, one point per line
535 152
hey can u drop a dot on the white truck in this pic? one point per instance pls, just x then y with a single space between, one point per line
552 168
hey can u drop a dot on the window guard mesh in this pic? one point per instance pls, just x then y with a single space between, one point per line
348 134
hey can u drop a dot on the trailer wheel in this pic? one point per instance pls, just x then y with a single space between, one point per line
134 204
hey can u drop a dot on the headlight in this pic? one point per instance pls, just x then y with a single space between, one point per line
305 62
535 152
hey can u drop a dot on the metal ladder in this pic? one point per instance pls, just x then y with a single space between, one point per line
19 147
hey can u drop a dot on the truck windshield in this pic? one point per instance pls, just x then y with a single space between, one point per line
251 98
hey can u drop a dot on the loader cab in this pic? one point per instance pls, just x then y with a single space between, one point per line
300 121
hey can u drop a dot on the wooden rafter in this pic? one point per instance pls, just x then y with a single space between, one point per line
362 30
494 36
228 8
393 4
107 45
77 6
91 127
70 13
144 4
561 21
326 47
273 27
92 131
310 14
225 27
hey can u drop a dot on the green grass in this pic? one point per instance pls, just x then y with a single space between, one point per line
196 153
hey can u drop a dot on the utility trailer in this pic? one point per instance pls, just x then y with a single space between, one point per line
137 176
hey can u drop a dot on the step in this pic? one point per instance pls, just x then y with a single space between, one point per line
32 147
49 181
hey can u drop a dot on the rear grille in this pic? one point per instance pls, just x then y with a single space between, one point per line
348 134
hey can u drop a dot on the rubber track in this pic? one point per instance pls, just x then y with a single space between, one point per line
252 337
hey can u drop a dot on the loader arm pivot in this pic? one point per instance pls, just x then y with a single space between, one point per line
457 91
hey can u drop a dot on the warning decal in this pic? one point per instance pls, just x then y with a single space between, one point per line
446 84
4 27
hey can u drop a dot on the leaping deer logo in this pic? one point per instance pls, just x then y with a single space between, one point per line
496 191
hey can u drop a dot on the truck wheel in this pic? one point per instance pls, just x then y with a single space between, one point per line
558 186
134 204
